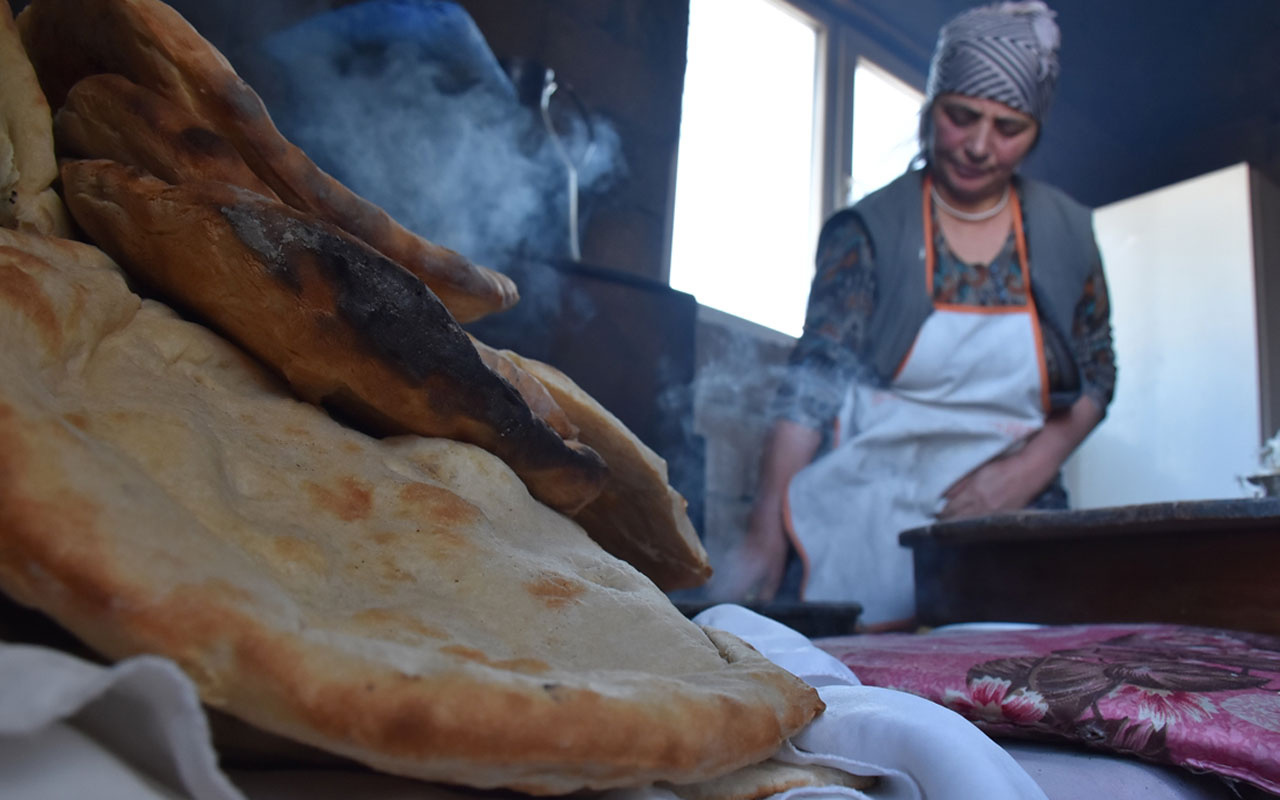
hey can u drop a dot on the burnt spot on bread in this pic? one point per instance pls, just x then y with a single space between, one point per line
204 142
21 291
533 665
394 624
292 554
350 500
395 319
556 591
393 314
443 507
77 420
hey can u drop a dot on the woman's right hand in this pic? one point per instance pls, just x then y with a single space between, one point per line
753 572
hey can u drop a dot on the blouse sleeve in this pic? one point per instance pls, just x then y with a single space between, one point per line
1091 338
825 359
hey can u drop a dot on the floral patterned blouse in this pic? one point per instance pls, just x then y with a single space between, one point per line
825 360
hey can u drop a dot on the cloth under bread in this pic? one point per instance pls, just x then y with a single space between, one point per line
916 748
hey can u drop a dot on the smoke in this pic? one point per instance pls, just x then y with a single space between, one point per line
405 104
723 412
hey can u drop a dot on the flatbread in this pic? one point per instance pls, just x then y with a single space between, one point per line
27 166
535 395
638 516
403 602
347 327
152 45
766 778
111 117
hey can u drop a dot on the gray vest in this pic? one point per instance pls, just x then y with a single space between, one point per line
1061 251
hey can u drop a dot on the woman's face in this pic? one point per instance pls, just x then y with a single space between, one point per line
977 144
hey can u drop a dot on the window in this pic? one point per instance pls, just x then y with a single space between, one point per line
741 240
885 128
787 116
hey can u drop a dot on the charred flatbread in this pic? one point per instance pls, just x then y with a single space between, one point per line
402 602
638 516
347 327
110 117
152 45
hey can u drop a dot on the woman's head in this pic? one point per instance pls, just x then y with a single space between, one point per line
1002 55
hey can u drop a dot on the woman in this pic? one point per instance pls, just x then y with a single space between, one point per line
957 335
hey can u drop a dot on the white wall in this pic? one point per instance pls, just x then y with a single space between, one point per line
1185 422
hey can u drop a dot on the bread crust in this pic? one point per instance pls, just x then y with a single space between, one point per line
151 44
638 516
108 116
347 328
27 167
402 602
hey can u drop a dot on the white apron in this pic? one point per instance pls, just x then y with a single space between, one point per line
972 387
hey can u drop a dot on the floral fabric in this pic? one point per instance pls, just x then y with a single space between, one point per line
1201 698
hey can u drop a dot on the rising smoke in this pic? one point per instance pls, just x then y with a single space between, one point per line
403 101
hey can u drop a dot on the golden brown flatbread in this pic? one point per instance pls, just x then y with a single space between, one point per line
766 778
638 516
110 117
402 602
348 328
152 45
27 166
530 388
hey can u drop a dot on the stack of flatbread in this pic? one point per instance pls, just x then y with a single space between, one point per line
241 427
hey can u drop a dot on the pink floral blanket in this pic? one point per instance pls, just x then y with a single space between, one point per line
1205 699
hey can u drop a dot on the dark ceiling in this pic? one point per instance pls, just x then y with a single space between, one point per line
1151 92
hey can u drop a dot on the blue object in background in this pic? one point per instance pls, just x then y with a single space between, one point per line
404 102
364 36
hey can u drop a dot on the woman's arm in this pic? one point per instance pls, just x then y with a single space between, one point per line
755 569
820 370
1011 482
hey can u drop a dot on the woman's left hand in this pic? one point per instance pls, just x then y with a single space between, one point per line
1002 484
1010 482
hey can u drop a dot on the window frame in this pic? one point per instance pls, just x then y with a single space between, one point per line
841 42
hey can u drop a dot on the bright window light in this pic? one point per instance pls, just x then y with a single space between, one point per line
743 234
886 117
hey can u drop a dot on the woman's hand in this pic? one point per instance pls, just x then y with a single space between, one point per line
1002 484
753 571
1011 482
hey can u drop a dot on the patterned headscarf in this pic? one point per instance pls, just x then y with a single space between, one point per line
1007 52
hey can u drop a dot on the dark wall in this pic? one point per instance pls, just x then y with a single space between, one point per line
1150 93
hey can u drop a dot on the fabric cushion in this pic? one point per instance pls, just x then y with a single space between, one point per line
1200 698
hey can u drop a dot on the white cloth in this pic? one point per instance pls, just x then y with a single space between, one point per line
920 750
136 731
133 731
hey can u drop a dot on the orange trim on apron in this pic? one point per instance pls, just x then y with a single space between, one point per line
1020 241
1024 264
